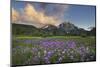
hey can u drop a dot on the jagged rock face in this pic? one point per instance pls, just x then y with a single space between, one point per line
68 27
50 27
50 30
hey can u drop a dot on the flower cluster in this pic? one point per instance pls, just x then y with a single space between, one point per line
49 51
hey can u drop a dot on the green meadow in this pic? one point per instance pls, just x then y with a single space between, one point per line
33 50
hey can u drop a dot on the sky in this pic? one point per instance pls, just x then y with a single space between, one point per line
41 14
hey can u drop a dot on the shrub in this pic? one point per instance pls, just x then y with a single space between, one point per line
83 35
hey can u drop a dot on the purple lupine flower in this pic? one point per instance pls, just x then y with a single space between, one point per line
52 43
81 50
46 60
50 53
71 44
64 51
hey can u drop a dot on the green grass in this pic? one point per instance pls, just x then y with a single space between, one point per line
20 57
65 37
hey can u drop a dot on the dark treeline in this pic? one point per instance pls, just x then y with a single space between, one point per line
64 29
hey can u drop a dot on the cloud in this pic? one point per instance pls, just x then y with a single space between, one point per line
15 15
57 10
37 18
